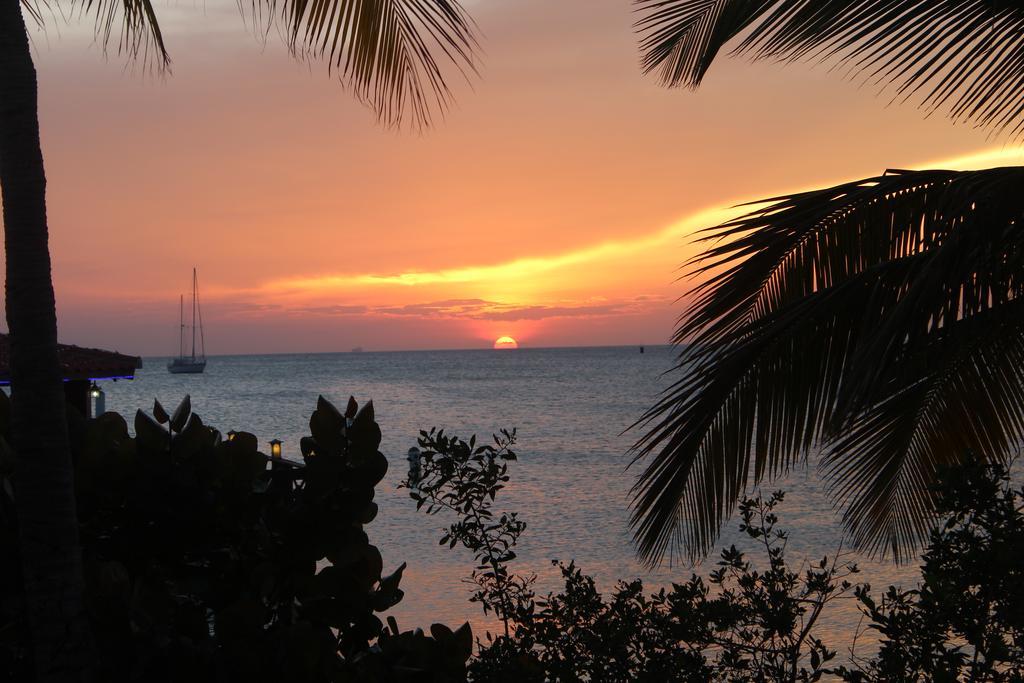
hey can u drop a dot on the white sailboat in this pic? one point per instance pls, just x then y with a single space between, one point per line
191 364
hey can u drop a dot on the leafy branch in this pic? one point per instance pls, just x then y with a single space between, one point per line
464 478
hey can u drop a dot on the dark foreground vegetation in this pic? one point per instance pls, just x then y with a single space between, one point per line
745 621
207 560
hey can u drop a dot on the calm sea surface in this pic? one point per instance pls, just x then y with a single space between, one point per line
570 483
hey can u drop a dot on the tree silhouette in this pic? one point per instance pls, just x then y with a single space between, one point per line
878 320
391 54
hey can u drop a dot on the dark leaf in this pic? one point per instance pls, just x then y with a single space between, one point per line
181 414
159 413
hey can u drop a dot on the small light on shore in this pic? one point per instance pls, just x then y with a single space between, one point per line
275 448
98 399
232 434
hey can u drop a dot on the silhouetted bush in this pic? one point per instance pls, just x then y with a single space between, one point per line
206 560
740 624
743 623
965 621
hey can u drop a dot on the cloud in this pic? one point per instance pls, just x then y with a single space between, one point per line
464 309
482 309
543 312
450 308
332 309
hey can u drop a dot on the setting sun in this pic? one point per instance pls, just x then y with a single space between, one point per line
506 343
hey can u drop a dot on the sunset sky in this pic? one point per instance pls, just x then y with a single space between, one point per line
553 204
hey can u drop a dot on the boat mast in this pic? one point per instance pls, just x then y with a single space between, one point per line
193 314
181 326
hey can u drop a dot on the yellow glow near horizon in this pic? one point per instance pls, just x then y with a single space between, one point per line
986 158
517 270
506 343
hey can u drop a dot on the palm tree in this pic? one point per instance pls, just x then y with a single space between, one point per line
878 322
389 53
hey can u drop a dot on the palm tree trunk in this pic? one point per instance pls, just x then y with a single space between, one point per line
44 490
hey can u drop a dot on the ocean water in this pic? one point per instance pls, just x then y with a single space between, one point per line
571 482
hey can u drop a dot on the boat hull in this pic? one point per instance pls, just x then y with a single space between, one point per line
180 366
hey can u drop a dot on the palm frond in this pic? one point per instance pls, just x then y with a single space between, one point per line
131 24
876 320
965 393
963 56
392 54
395 55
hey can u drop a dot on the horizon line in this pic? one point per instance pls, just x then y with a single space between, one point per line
448 349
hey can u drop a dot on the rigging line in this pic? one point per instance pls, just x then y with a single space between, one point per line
202 335
193 314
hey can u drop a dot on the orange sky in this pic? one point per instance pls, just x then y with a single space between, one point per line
553 204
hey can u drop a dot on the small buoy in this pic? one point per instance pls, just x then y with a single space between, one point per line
641 349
